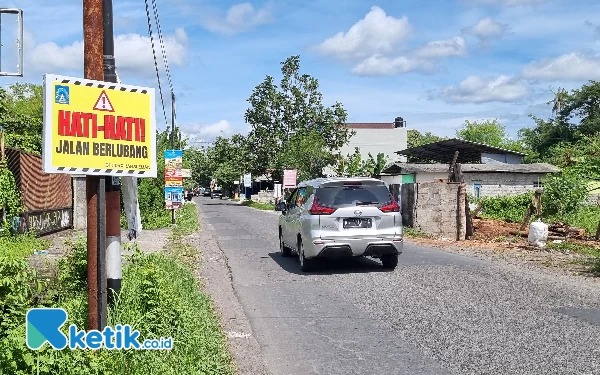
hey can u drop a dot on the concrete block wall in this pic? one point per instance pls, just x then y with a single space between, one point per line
496 184
433 208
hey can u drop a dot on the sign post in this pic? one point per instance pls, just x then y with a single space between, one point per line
173 179
97 128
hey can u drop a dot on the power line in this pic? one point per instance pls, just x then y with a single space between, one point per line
162 101
162 45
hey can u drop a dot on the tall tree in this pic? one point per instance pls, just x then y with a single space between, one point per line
415 138
558 102
21 116
280 114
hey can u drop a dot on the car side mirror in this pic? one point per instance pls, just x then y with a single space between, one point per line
281 206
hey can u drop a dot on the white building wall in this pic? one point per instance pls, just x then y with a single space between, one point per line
375 141
496 184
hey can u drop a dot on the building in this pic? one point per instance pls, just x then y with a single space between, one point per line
374 138
488 171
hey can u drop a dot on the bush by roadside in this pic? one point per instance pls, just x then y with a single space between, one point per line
160 297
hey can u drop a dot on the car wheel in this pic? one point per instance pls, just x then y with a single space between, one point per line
284 250
306 265
389 261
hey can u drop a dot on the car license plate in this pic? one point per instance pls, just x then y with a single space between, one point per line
357 223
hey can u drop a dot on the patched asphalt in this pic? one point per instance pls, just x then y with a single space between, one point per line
437 313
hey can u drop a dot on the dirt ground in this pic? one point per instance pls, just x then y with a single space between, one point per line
497 240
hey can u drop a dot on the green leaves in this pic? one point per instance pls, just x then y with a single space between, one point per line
353 165
291 117
564 194
10 198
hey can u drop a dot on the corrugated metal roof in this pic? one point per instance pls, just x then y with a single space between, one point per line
443 151
399 168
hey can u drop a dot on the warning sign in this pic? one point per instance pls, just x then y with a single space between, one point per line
103 103
98 128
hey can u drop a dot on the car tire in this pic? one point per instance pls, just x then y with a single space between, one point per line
284 250
389 261
306 265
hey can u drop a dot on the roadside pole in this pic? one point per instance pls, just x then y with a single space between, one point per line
113 188
173 141
93 69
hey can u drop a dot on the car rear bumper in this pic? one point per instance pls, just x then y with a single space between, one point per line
349 247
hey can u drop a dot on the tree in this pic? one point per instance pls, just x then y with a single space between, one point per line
489 132
21 116
415 138
227 159
354 165
583 104
560 97
279 115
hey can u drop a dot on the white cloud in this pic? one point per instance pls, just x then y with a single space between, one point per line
378 65
376 33
239 18
487 29
207 132
133 54
509 2
437 49
572 66
476 89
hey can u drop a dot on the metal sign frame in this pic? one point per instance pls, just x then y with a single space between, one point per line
19 14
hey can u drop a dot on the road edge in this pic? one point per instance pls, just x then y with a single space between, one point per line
217 278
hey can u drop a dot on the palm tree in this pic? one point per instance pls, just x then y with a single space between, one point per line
560 98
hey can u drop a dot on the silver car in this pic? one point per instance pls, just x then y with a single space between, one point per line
340 217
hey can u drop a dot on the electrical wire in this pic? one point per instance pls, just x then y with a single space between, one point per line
162 101
162 45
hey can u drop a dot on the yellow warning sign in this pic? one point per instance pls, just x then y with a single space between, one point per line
98 128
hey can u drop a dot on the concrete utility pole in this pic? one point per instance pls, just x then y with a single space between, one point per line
113 195
93 69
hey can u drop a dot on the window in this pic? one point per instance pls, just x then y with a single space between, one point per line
477 191
347 196
538 184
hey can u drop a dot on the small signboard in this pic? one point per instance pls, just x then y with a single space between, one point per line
248 180
98 128
173 179
289 178
173 197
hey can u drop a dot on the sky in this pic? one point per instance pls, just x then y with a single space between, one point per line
436 63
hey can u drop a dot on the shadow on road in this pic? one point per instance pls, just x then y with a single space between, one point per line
329 266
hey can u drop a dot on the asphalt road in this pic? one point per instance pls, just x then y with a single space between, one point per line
437 313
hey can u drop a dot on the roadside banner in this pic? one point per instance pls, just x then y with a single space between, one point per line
248 180
289 178
98 128
173 179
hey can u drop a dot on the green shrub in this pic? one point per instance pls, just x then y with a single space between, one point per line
564 193
510 208
21 245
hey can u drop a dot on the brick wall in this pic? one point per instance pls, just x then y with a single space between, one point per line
495 184
432 207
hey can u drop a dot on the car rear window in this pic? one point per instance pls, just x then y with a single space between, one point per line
347 196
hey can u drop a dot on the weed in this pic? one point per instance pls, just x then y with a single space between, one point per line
21 245
412 232
259 206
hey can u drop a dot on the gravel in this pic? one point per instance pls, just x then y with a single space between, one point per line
470 316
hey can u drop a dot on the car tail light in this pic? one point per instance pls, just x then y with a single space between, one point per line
317 209
392 207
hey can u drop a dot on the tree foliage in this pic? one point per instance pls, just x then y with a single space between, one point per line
21 116
282 116
353 165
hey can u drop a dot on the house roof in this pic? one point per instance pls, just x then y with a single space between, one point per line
443 151
399 168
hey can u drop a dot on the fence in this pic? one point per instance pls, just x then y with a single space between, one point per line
47 198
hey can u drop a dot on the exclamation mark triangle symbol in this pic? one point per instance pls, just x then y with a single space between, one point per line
103 103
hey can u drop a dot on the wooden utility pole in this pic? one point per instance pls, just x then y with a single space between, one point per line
93 69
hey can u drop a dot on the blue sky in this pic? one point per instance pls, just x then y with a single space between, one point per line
435 63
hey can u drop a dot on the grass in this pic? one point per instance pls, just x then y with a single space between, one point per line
415 233
21 245
160 297
592 253
586 217
259 206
